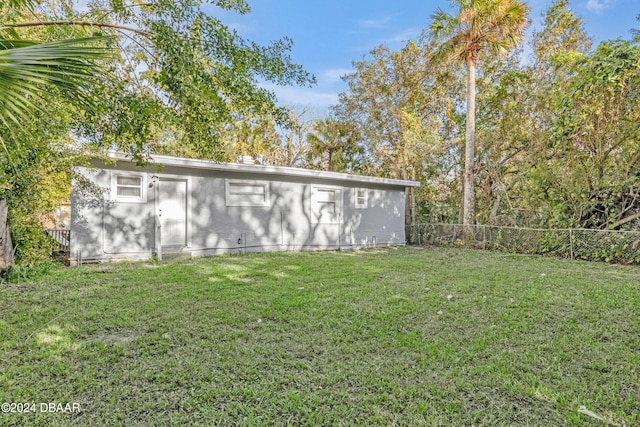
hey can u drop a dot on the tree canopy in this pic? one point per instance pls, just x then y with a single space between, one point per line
157 77
555 142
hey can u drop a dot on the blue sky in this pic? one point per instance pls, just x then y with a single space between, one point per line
329 34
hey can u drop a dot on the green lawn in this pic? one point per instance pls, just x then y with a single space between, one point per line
388 337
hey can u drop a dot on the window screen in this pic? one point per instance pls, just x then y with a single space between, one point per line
361 199
128 187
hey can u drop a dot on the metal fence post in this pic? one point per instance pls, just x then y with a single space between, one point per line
571 242
484 237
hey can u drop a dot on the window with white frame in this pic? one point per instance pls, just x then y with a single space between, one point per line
361 201
326 205
129 187
247 193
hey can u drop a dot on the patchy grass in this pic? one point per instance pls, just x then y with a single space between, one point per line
389 337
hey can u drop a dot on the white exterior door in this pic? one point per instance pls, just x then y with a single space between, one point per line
172 211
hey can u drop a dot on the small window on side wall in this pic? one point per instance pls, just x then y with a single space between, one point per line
361 199
247 193
129 187
326 205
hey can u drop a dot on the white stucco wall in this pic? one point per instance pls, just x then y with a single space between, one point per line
102 228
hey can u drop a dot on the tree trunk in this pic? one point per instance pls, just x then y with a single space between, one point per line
494 209
468 195
407 207
6 248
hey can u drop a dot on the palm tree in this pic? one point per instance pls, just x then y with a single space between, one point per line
28 70
333 138
480 26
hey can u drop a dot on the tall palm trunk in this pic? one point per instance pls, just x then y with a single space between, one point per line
468 198
489 26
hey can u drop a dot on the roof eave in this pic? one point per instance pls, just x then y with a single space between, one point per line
267 170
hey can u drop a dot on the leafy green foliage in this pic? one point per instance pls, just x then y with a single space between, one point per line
403 106
174 79
193 78
556 137
33 184
28 68
479 27
596 136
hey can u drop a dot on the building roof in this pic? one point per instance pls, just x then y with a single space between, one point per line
266 170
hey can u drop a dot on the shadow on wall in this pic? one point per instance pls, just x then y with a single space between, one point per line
88 200
283 224
128 228
100 226
286 222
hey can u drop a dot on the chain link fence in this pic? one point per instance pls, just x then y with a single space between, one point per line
593 245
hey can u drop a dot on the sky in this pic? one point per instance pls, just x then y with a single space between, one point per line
328 35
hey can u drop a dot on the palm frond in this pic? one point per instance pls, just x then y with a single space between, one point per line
30 69
494 25
443 24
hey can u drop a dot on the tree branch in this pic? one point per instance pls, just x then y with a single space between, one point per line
79 23
633 161
626 220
